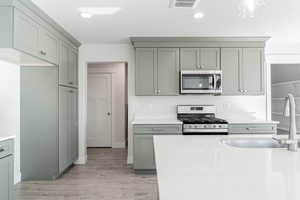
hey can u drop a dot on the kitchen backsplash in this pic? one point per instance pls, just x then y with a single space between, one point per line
228 107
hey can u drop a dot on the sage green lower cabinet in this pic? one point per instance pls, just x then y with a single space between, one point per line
49 124
243 71
144 160
252 128
157 71
6 170
68 127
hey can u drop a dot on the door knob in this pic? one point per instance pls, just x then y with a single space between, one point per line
108 113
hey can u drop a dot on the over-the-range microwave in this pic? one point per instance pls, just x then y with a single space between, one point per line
201 82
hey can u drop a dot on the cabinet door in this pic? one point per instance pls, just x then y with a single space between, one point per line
189 58
48 46
230 66
64 64
64 129
26 34
74 124
253 71
6 178
146 60
144 152
73 67
210 58
168 71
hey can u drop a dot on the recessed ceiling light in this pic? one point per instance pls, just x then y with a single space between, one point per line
198 15
88 12
86 15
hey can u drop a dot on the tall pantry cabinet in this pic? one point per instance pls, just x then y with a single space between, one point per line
48 89
49 118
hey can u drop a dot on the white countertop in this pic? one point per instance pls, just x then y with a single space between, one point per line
201 167
253 121
156 121
7 137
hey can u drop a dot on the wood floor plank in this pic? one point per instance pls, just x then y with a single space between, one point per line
106 176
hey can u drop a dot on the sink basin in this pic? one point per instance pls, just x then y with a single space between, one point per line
253 143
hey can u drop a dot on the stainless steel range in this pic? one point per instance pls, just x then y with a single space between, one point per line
201 120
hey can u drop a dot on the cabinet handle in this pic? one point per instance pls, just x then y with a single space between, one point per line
158 91
245 90
1 149
71 91
108 113
43 53
71 83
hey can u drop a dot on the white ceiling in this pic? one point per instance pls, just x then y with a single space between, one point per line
278 18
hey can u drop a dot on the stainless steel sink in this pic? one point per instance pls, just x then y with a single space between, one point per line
253 143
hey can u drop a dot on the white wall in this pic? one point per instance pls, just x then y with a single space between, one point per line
90 53
10 107
117 70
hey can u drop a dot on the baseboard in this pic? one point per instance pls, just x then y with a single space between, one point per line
129 160
119 145
82 160
17 177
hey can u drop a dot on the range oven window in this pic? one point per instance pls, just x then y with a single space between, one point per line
198 82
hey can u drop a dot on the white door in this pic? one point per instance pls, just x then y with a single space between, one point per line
99 110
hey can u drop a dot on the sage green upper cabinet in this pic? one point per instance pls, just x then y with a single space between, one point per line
200 58
168 71
48 46
210 58
64 64
146 62
73 67
68 68
189 58
157 71
252 62
230 66
26 34
29 37
33 39
243 71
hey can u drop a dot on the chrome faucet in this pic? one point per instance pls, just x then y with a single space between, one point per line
290 111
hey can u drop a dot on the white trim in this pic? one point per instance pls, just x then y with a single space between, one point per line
129 159
285 83
118 145
281 114
285 129
17 177
81 160
282 99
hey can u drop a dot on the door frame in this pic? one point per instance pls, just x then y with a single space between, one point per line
111 102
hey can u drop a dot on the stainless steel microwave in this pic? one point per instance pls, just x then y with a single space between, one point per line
201 82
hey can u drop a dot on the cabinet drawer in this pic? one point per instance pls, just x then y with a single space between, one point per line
252 129
6 148
157 129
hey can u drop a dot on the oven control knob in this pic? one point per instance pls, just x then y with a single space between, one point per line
220 126
205 126
214 126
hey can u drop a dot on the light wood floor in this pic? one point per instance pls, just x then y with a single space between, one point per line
105 177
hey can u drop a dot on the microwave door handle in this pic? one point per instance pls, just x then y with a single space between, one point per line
214 82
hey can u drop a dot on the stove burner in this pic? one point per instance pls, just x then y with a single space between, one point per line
202 120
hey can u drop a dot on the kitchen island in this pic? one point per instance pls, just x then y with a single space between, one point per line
203 168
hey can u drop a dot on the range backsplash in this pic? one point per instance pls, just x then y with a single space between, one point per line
228 107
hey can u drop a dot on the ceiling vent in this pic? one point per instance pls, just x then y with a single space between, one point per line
183 3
